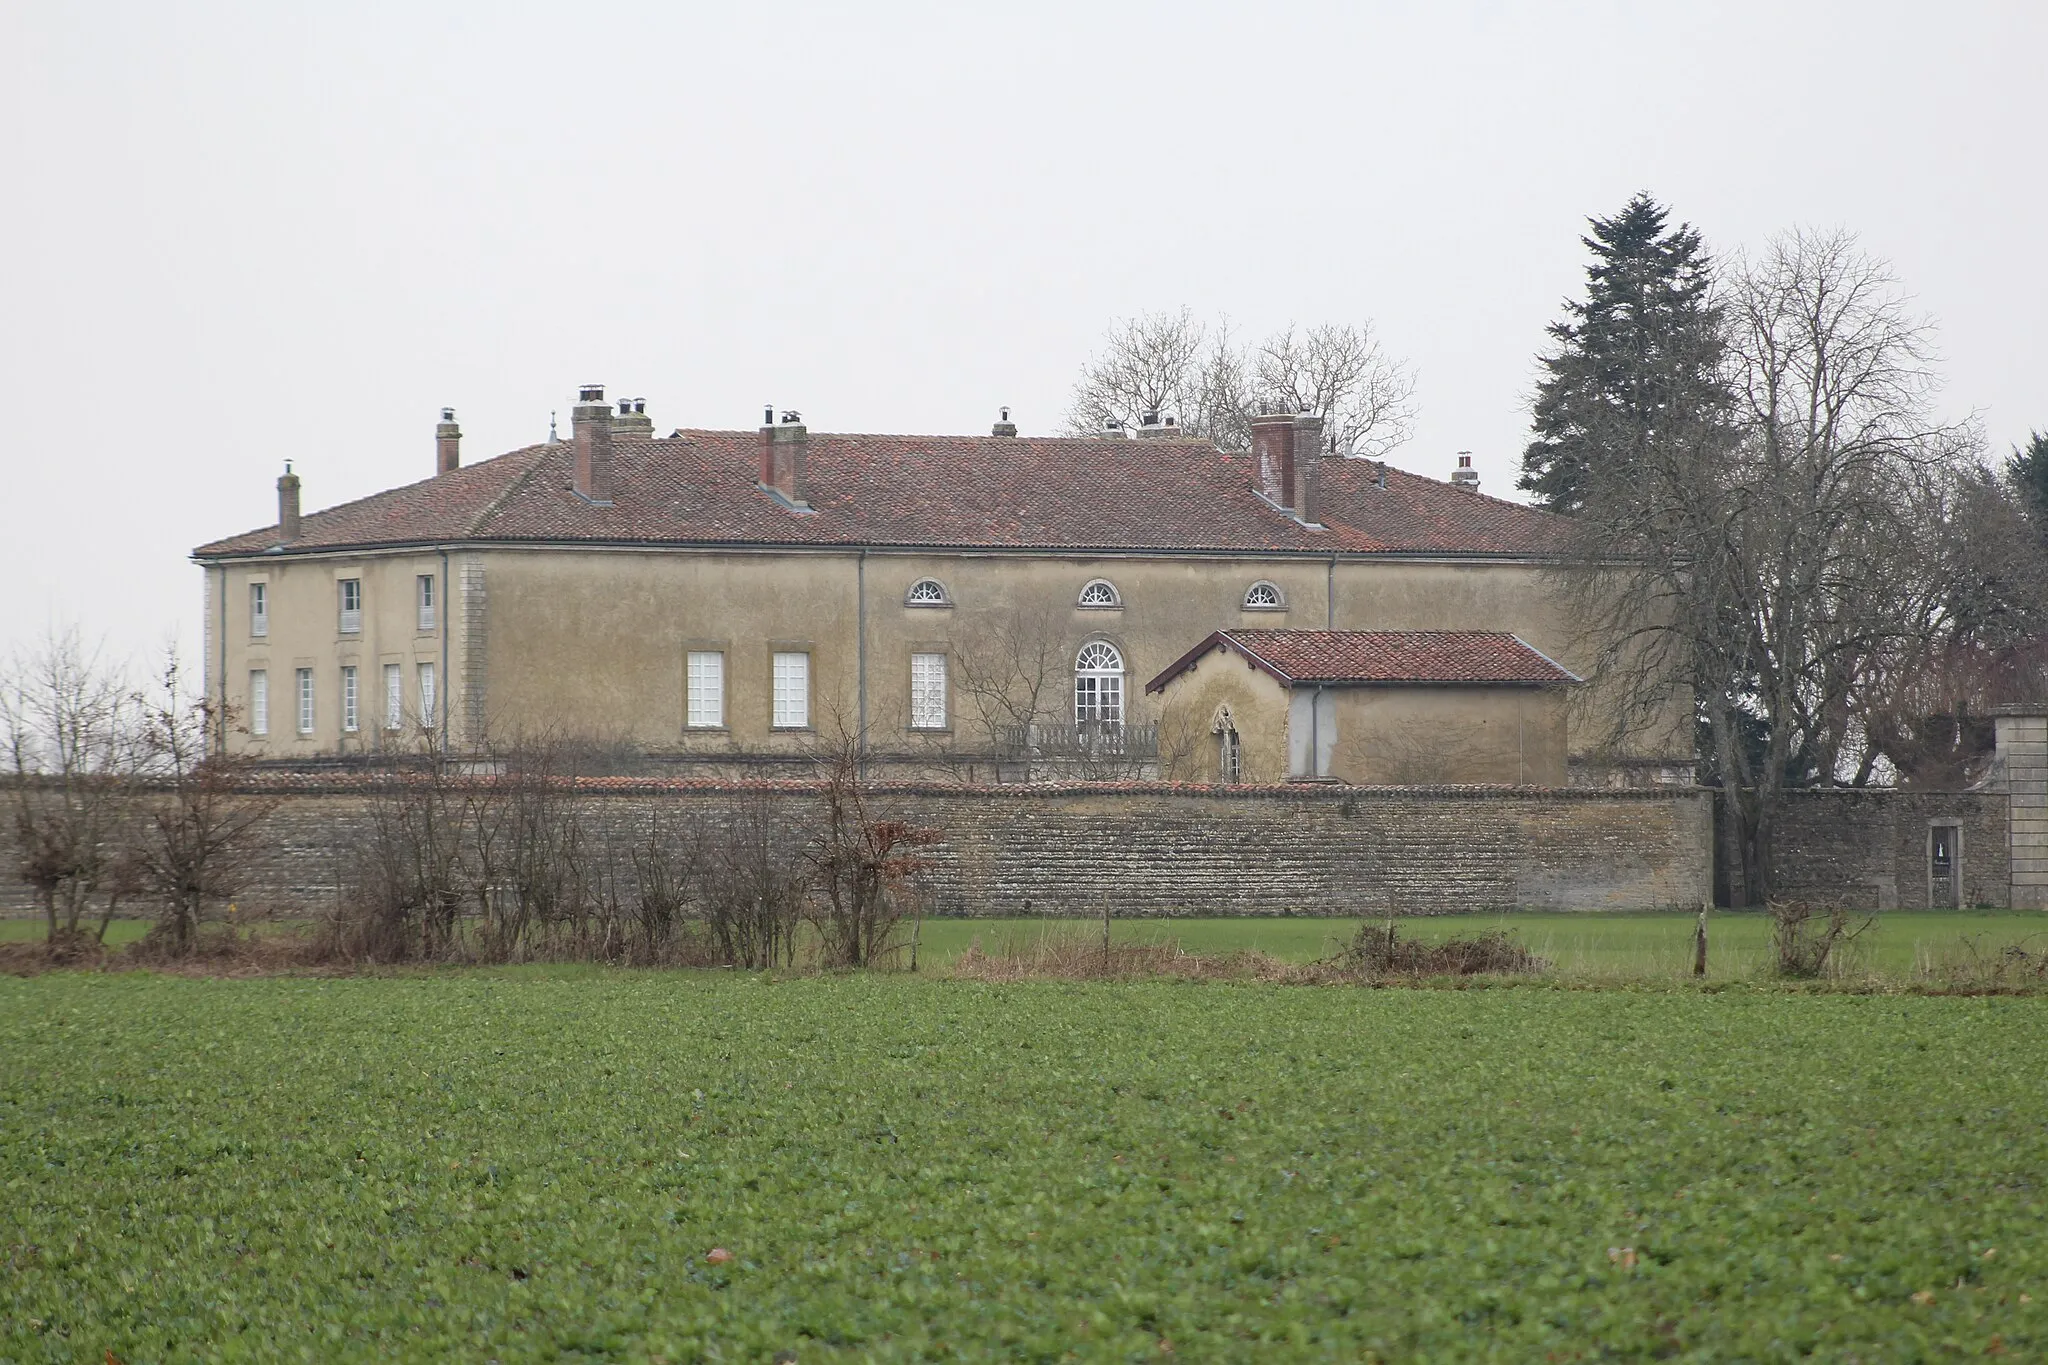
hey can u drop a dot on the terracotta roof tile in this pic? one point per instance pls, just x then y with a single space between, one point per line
1367 657
698 487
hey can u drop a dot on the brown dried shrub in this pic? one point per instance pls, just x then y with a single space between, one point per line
1379 951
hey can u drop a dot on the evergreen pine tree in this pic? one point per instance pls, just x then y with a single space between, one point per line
2027 471
1642 346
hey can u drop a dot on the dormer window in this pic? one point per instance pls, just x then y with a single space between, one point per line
1264 596
1100 594
927 592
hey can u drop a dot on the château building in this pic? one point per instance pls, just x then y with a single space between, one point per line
722 599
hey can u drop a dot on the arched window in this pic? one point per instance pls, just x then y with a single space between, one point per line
927 592
1263 596
1099 592
1099 685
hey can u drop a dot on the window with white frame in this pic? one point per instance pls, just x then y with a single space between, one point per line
351 700
259 610
927 592
927 691
351 605
1098 685
259 701
394 696
305 701
426 696
792 690
1263 596
425 596
1099 593
706 687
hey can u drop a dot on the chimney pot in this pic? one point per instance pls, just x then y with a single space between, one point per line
1465 476
1004 426
287 506
447 443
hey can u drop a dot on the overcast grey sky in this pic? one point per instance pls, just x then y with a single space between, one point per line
237 233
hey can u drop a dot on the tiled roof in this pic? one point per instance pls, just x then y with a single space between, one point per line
698 487
1367 657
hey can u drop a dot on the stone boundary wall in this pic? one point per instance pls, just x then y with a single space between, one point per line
1153 849
1867 848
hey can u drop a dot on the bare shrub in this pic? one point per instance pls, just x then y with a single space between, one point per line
197 836
754 883
1971 967
71 728
866 865
1378 951
1808 941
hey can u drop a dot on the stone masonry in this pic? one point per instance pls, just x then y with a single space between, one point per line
1157 849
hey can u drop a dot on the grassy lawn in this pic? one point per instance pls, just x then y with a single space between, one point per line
537 1165
1591 946
1579 945
24 930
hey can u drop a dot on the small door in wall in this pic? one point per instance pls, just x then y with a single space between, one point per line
1944 866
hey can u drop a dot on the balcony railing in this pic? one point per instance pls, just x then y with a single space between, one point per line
1085 740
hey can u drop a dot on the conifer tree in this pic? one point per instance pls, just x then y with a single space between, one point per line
2027 471
1639 353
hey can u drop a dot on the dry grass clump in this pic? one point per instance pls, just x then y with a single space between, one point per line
1377 955
1971 968
1378 952
1082 957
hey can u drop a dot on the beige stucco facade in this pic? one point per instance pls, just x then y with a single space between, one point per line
592 643
1368 736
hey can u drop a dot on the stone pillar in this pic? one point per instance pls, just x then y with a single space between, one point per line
2021 771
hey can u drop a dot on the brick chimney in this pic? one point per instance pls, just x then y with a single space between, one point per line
784 447
447 443
1273 458
591 435
1465 476
287 506
1307 488
1004 426
633 423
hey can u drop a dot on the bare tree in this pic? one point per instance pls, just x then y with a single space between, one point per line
866 863
71 725
199 828
1340 370
1767 556
1012 672
1159 364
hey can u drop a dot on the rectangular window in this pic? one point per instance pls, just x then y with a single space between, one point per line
259 610
394 697
259 702
426 696
792 691
927 691
351 702
706 684
426 597
351 605
305 701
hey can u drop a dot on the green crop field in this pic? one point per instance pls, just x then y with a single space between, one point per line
539 1165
